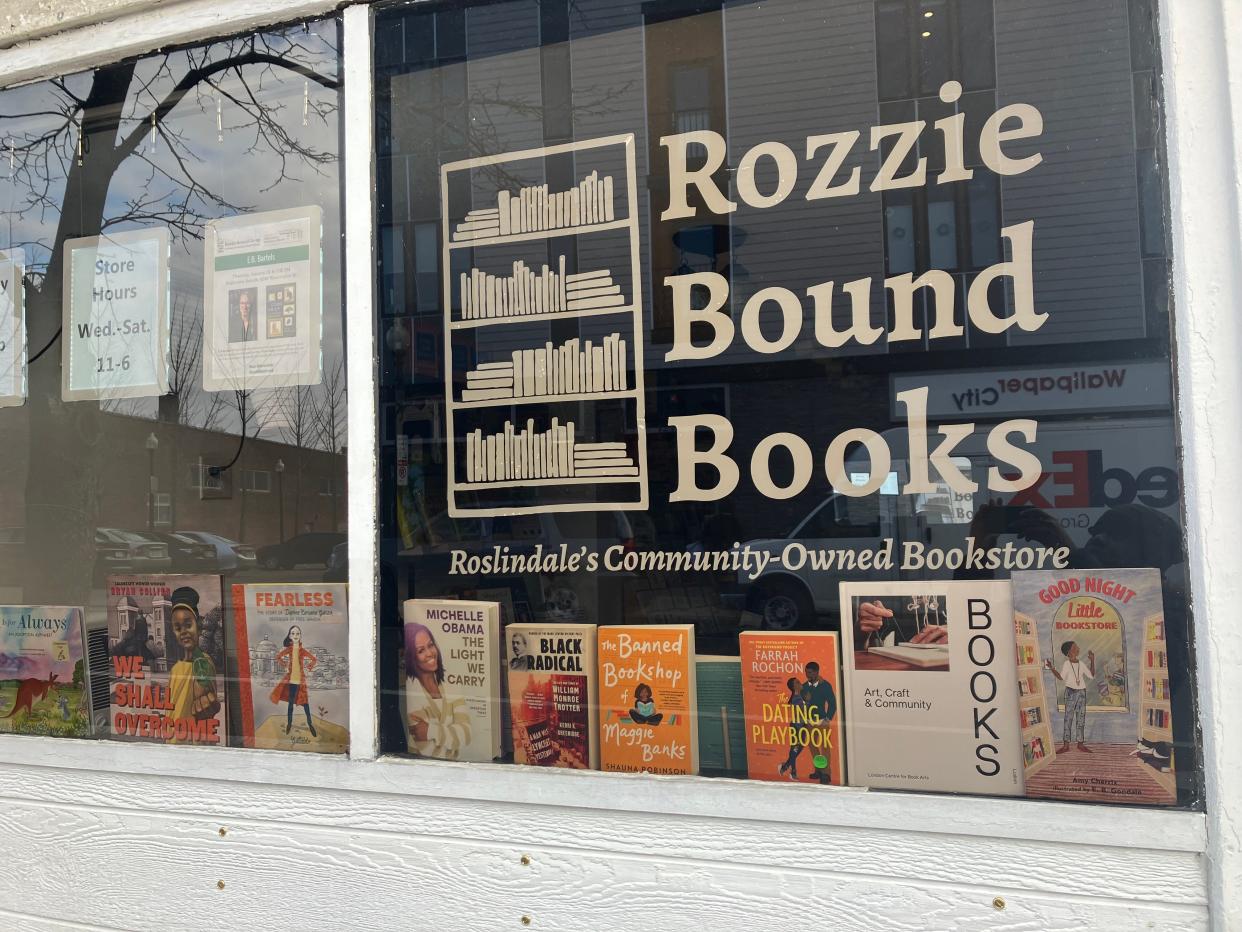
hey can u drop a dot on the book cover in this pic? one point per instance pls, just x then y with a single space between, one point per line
166 651
1093 674
721 715
791 694
646 699
293 666
44 683
931 695
553 695
451 700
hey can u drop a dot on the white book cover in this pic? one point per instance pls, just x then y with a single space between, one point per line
931 692
451 699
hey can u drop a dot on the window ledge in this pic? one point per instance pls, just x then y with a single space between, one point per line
844 807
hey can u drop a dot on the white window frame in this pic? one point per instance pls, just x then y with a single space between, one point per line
247 481
1206 229
161 511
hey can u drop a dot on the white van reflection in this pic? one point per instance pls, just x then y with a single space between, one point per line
1091 466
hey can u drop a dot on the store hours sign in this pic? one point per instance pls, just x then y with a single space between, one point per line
115 328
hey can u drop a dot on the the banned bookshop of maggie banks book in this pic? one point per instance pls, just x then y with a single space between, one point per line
166 659
646 699
930 689
44 686
553 695
1093 679
293 678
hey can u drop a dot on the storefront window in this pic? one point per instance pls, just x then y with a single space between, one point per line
791 382
172 382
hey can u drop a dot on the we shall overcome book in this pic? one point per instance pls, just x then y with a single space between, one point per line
166 653
451 699
792 698
553 694
292 665
930 690
44 684
1093 673
646 699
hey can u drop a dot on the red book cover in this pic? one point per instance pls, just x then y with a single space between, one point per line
553 694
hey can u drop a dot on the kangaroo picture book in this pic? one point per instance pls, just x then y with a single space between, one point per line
792 697
292 666
1094 677
451 699
931 698
44 684
553 694
166 659
646 699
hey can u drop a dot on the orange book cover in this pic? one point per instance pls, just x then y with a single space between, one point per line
791 690
646 699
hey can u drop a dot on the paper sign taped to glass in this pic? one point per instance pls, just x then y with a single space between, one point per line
12 329
114 342
262 311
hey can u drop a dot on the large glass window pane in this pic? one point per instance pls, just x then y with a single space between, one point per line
818 332
174 419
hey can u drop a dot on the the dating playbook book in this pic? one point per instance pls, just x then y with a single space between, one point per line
553 694
292 666
792 696
931 699
1093 680
44 683
646 699
166 658
451 700
721 715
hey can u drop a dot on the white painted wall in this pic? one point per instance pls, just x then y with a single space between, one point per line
110 836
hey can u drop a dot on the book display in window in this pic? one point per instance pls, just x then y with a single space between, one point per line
522 261
792 695
721 714
1155 724
646 699
1037 747
931 697
166 653
1101 635
293 666
44 683
553 695
451 701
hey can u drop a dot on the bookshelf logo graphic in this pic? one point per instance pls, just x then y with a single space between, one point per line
544 280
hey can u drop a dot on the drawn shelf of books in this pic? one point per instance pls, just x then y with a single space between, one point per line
541 267
1038 748
1154 716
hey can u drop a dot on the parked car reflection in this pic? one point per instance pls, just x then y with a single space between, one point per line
187 555
118 551
231 556
314 547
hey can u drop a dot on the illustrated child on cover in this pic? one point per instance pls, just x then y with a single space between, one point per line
1076 676
437 724
644 711
192 679
817 694
790 766
298 663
